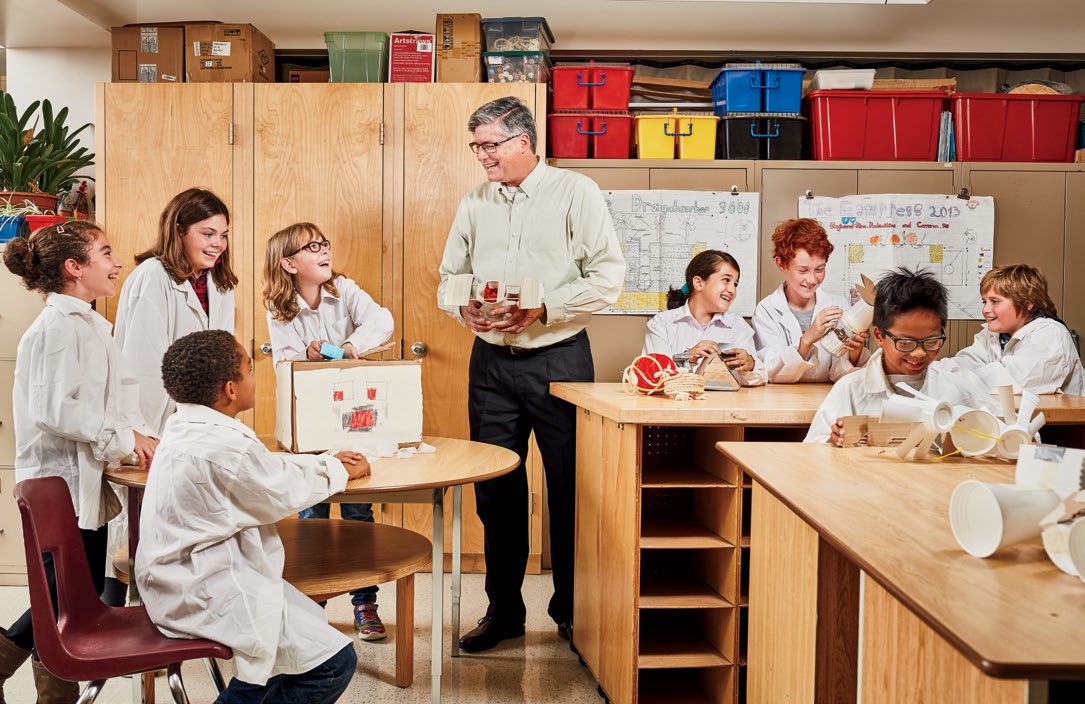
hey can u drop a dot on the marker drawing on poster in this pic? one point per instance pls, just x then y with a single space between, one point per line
949 236
660 231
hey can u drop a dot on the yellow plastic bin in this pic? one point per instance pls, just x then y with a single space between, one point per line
696 136
654 135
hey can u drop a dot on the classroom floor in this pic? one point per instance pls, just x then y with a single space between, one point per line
538 667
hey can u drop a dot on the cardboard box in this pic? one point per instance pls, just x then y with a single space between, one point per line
228 53
459 48
148 54
309 76
347 403
410 58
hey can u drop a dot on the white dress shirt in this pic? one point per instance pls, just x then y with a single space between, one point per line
210 561
676 330
1040 357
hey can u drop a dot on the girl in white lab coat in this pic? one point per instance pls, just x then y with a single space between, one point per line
309 304
790 322
699 320
74 409
1023 341
184 283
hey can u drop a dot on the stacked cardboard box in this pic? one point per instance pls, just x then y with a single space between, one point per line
193 52
459 48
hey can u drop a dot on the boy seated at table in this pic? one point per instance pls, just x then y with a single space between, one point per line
910 315
210 561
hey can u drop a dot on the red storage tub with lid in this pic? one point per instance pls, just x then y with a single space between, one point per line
874 125
590 87
584 135
1010 127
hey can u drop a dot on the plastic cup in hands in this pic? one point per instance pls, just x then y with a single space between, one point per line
975 432
987 517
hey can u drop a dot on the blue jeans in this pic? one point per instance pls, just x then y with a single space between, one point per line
351 512
321 685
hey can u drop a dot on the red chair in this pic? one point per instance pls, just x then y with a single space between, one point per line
85 640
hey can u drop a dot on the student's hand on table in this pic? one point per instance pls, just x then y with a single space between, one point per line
824 321
836 437
519 319
349 352
312 352
144 451
474 318
738 359
704 348
355 463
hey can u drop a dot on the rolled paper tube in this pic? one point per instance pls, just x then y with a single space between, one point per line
1037 423
987 517
457 290
1005 397
1056 540
936 416
1029 402
859 316
975 432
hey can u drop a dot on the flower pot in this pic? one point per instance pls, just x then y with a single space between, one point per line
43 202
36 222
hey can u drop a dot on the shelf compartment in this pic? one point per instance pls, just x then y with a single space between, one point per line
683 517
680 477
693 447
706 685
689 579
680 638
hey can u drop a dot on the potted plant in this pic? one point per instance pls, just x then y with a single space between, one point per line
37 164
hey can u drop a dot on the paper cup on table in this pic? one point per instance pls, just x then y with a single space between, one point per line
987 517
975 432
937 416
1076 543
1013 438
1056 539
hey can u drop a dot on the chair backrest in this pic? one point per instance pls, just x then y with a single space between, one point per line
49 526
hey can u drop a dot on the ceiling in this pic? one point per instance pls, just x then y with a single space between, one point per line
988 27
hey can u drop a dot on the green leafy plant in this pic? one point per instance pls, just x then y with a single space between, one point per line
41 160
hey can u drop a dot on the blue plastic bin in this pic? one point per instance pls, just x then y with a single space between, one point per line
758 87
12 226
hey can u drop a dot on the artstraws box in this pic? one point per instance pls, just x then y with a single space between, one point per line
459 48
411 58
228 53
320 405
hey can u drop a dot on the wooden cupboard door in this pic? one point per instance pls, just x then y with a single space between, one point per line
317 157
1072 305
155 141
437 171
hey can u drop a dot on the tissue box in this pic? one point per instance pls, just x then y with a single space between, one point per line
320 405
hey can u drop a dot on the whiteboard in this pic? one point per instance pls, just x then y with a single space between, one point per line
951 237
660 231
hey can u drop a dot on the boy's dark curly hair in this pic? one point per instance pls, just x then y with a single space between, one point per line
902 290
197 366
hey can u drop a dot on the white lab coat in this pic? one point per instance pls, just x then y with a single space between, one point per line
153 312
210 562
74 406
676 330
864 392
777 333
352 317
1040 357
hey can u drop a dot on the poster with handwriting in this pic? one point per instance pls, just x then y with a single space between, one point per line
660 231
949 236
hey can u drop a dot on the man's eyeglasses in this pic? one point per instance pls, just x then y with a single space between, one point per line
489 147
315 246
907 344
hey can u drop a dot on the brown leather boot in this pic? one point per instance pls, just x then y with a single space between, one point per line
52 689
11 659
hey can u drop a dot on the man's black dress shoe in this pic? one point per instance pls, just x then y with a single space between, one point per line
565 630
488 634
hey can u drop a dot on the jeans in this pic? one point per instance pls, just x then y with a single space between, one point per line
321 685
351 512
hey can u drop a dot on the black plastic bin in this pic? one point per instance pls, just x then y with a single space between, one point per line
760 135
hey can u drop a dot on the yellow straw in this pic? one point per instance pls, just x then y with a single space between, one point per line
978 434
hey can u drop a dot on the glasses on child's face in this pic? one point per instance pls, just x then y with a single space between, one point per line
489 147
907 344
315 246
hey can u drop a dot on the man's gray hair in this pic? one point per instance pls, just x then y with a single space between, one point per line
509 115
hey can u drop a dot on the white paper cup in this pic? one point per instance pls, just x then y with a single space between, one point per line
936 415
1014 437
987 517
1057 545
1075 540
975 432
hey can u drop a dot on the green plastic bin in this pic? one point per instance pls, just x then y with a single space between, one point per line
357 57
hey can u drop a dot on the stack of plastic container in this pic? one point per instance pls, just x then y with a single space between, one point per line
590 112
517 49
357 57
759 106
684 136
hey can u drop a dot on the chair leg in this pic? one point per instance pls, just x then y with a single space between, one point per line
91 692
177 687
215 674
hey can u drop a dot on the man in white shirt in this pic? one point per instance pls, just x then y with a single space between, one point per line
529 220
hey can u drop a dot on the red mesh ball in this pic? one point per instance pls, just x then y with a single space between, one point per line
649 370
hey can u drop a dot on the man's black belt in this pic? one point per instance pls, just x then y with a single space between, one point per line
528 351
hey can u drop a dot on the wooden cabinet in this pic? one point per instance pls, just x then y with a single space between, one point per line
12 553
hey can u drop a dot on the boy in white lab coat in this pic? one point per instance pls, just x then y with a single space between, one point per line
210 561
910 315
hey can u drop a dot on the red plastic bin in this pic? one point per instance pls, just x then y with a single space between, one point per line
584 135
1004 127
590 87
874 125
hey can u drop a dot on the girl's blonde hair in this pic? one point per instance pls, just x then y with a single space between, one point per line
280 296
1022 284
182 212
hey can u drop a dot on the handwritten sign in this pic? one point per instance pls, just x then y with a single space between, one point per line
660 231
872 234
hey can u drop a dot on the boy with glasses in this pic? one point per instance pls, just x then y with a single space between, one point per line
910 315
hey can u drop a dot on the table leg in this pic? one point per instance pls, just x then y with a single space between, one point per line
457 554
142 685
405 631
438 588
